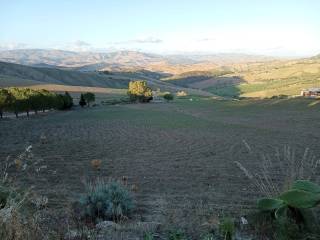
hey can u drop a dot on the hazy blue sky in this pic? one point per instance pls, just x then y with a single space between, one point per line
274 27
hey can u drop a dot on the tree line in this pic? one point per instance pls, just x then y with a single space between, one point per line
19 100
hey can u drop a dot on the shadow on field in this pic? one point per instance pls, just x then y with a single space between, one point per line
224 86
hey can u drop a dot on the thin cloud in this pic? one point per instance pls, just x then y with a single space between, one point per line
81 43
206 39
13 46
148 40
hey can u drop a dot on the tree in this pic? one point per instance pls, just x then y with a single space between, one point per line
82 101
66 100
139 91
168 97
5 100
35 99
89 97
20 101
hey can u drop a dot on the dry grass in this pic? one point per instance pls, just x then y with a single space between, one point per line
280 169
96 164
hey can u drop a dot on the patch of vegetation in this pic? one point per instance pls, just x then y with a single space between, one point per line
105 201
139 91
82 101
89 98
168 97
19 100
177 235
227 228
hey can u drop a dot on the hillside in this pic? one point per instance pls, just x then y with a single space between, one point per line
58 76
263 79
231 75
20 75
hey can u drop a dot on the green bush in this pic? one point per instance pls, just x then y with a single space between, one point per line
168 97
106 201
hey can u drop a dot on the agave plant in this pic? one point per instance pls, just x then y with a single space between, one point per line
302 195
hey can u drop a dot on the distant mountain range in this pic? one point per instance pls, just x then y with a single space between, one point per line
90 61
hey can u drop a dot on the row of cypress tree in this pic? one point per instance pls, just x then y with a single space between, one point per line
19 100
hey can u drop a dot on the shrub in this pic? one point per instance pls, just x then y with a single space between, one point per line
168 97
106 201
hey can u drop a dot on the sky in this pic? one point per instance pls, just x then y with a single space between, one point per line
268 27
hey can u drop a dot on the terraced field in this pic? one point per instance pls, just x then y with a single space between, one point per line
179 155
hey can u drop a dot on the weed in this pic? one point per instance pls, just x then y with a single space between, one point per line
148 236
227 228
177 235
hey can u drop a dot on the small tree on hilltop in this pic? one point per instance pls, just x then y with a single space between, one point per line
139 91
89 97
168 97
82 101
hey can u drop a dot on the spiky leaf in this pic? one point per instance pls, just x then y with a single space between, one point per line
268 204
300 199
306 185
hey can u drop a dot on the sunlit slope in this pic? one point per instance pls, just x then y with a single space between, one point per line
264 79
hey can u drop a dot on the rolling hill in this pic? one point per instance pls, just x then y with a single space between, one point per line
265 79
20 75
228 75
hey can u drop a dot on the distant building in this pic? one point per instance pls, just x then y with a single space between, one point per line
311 92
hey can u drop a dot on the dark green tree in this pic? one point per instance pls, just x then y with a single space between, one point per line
6 99
20 101
67 101
168 97
82 101
89 97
